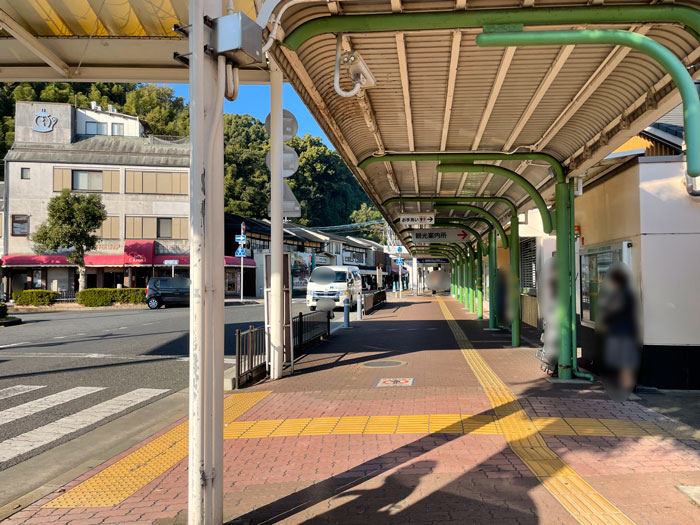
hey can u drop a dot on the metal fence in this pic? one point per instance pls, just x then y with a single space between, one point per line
307 328
373 300
250 355
65 296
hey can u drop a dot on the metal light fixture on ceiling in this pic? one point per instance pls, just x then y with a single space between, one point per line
356 68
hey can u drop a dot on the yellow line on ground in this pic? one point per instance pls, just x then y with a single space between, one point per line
581 500
443 424
120 480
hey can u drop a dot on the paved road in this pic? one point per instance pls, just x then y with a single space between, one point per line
64 373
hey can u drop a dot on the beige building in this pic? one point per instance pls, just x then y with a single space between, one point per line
143 183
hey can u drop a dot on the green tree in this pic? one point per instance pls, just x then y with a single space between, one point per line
323 184
73 219
368 213
165 113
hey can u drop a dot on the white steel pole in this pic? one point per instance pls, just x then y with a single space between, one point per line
205 486
276 237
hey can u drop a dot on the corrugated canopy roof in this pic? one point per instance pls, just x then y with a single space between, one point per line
438 92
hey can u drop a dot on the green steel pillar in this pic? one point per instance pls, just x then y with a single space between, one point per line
463 273
469 303
563 310
515 279
458 268
479 283
493 268
452 280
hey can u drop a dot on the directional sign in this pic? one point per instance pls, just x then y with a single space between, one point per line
432 260
429 235
417 219
392 249
240 251
240 239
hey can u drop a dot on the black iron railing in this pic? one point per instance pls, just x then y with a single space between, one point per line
373 300
250 354
307 328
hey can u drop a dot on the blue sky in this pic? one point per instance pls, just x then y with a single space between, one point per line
255 101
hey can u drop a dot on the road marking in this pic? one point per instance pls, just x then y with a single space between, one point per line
580 499
44 403
60 337
120 480
15 344
123 327
18 389
16 446
146 324
81 333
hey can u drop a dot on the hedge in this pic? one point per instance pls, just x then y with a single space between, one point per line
3 310
35 297
107 296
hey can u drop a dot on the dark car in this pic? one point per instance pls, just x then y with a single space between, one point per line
168 291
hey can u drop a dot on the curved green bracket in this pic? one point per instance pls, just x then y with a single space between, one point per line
466 158
488 217
483 213
510 175
687 17
666 59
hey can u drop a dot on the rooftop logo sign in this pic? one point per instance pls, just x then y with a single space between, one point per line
43 122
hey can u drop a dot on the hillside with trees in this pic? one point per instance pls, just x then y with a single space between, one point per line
324 186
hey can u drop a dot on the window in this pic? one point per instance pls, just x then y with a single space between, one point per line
165 228
118 129
20 225
528 265
25 174
87 180
95 128
595 264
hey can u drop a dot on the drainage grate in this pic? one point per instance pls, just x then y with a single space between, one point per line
383 364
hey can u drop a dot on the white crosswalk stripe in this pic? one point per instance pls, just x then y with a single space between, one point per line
18 389
44 403
18 445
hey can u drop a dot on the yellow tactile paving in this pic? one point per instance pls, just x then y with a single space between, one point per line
446 424
414 424
291 427
524 438
351 425
586 426
120 480
382 425
320 426
553 426
262 429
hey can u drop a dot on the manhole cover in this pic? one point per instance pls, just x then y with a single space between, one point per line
383 364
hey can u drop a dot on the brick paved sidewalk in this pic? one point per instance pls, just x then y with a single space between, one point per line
329 446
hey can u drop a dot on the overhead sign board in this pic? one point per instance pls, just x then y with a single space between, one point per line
433 260
417 219
429 235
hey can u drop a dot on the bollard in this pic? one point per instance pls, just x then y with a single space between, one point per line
346 313
359 307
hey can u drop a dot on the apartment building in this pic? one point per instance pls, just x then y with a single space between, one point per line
143 183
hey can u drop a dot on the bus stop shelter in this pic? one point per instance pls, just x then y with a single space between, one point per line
477 110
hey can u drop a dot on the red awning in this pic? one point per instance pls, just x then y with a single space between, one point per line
138 253
35 260
236 261
104 260
182 260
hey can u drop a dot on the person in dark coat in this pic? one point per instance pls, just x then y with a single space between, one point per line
617 324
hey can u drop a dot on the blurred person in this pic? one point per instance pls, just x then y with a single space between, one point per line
547 299
617 324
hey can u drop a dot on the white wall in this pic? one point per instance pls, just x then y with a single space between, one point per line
132 126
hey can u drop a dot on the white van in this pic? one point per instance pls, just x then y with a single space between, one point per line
333 282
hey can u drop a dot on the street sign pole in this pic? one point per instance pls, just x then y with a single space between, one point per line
242 233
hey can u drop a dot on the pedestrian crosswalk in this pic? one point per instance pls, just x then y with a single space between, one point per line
81 420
